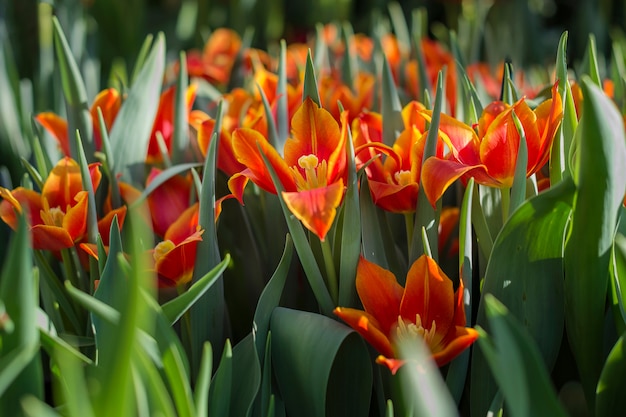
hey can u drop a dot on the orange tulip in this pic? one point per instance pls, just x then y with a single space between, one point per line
58 216
109 102
394 180
164 121
427 308
311 172
491 154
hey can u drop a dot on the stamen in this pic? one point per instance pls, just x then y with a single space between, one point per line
411 331
315 173
403 177
162 248
51 216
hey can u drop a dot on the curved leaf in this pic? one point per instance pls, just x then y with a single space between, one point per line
322 367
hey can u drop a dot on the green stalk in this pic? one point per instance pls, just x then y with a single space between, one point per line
331 274
505 202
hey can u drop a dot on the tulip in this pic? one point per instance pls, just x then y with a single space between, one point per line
427 308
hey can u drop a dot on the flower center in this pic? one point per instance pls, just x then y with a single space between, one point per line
315 173
162 248
411 331
403 177
51 216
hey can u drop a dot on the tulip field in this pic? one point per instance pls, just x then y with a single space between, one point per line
379 215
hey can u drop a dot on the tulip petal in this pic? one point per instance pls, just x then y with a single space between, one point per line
104 224
429 293
184 226
316 208
246 143
439 174
168 201
57 127
16 201
393 364
52 238
175 267
315 132
75 219
367 326
62 184
460 339
379 292
394 198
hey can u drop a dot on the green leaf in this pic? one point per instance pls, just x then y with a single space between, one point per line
424 391
78 116
618 282
426 215
92 215
391 109
601 183
178 382
558 153
310 82
518 190
34 407
18 289
350 248
175 308
282 113
321 366
136 116
207 314
270 298
517 365
221 385
611 391
457 372
525 272
305 253
180 136
203 382
246 377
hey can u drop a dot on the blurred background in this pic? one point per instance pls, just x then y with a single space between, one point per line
111 31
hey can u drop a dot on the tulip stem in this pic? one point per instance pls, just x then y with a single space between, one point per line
409 224
333 286
505 202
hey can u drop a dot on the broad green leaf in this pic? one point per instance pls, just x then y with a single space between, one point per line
141 58
148 379
18 289
611 391
517 365
601 184
270 298
590 61
78 116
136 116
246 377
207 314
557 153
175 308
321 366
525 272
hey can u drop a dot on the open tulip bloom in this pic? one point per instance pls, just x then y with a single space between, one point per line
426 308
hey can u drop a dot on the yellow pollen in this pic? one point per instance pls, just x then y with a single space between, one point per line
411 331
51 216
315 173
162 248
403 177
308 162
